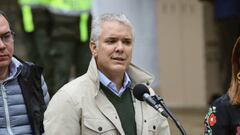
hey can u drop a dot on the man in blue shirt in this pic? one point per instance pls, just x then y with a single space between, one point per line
23 91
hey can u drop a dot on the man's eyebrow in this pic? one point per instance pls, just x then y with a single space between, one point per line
5 33
127 38
111 37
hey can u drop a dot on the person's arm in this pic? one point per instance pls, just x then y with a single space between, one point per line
61 116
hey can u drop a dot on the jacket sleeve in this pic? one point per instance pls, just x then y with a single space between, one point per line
216 120
45 90
61 117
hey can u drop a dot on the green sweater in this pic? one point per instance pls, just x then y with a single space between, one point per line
124 107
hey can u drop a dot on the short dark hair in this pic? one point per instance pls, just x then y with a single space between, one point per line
3 14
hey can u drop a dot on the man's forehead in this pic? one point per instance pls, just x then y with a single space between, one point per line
124 37
3 19
4 25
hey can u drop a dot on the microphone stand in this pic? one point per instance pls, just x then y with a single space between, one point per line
159 101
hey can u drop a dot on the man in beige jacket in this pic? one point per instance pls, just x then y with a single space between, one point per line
101 101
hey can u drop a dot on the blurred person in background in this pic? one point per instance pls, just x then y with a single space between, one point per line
101 100
69 51
35 24
36 27
223 117
23 91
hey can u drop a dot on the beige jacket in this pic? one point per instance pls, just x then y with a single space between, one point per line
81 108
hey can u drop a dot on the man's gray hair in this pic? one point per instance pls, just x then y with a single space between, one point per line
108 17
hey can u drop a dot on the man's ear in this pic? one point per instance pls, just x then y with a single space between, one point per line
93 48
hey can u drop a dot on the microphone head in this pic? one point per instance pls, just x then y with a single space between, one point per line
139 90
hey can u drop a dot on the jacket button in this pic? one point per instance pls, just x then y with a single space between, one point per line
99 128
147 83
154 127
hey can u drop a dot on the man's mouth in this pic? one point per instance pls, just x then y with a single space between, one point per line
3 56
118 58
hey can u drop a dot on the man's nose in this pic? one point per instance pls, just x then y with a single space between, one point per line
119 46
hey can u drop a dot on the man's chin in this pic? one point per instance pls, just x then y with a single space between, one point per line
119 68
4 63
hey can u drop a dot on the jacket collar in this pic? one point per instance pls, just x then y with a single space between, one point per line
136 74
15 67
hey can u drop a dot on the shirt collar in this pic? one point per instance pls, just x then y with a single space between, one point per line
112 86
14 69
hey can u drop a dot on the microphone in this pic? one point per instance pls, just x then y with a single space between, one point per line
142 93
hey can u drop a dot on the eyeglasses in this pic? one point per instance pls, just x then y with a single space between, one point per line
7 37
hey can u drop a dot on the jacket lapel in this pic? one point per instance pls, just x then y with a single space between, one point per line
106 107
141 122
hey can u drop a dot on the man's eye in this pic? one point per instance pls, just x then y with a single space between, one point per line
111 41
127 42
7 36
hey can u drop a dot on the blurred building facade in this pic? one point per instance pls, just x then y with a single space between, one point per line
182 53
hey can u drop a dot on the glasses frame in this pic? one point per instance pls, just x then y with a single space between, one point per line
8 39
